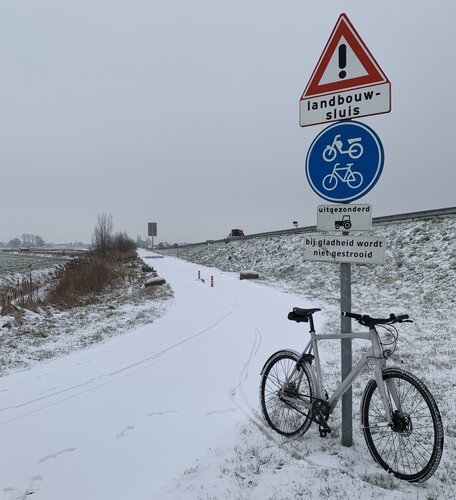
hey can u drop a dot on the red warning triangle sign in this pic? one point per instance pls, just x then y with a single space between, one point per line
345 63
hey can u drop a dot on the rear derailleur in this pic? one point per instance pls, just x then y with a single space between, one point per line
320 415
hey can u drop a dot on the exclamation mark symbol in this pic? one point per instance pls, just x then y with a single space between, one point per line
342 60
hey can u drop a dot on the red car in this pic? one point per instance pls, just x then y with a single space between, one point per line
236 233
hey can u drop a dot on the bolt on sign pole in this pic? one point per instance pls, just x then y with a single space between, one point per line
346 353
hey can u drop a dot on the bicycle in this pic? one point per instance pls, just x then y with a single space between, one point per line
400 419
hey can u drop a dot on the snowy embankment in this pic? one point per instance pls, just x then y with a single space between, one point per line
169 410
30 336
418 278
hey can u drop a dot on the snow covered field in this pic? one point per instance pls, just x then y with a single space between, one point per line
170 409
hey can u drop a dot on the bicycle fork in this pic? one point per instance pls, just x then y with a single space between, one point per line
387 390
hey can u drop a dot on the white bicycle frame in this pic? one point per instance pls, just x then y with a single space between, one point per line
375 353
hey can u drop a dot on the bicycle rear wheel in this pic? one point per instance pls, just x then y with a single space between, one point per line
281 385
411 447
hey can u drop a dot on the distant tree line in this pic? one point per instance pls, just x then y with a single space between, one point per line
140 243
27 240
104 239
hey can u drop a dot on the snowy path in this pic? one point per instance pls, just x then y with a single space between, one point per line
122 419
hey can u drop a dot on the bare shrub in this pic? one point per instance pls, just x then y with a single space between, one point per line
102 236
122 243
20 293
80 280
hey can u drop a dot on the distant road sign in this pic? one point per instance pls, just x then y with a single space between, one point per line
344 161
152 229
347 81
351 249
345 217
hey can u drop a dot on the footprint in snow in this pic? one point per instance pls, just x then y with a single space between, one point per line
32 488
219 412
128 430
52 456
159 413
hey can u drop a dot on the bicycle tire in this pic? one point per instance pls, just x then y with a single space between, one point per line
411 447
282 416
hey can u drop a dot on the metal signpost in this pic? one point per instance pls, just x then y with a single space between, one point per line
343 163
152 231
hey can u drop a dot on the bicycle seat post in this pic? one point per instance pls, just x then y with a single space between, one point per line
311 324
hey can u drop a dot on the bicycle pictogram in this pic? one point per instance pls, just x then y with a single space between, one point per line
344 174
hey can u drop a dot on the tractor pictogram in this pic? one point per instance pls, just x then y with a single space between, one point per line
345 222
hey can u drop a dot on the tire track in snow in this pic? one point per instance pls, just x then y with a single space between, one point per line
140 365
237 394
185 341
239 398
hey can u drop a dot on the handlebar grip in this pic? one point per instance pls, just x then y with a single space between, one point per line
402 317
351 315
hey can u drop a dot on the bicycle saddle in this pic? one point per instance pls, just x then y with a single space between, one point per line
298 314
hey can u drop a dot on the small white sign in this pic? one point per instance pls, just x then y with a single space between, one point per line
344 217
352 249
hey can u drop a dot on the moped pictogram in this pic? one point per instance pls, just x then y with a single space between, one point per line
355 148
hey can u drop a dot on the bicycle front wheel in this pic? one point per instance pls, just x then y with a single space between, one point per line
411 446
286 394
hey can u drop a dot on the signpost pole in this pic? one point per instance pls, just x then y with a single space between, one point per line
346 350
354 149
152 231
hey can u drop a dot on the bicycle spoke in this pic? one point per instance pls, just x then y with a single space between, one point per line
284 393
410 445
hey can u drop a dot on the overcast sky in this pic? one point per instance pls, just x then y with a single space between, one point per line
187 113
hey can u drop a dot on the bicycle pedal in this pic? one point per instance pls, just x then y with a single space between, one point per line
324 429
324 432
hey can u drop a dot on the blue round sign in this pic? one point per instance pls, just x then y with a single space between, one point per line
344 161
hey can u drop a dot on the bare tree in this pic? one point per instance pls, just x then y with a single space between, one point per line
102 235
27 239
15 243
38 241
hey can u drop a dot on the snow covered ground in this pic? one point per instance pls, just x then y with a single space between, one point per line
169 410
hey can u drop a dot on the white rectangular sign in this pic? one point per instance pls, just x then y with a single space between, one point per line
344 217
356 103
354 249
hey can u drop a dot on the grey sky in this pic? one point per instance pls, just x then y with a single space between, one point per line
186 113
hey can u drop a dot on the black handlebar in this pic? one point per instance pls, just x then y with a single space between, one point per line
366 320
